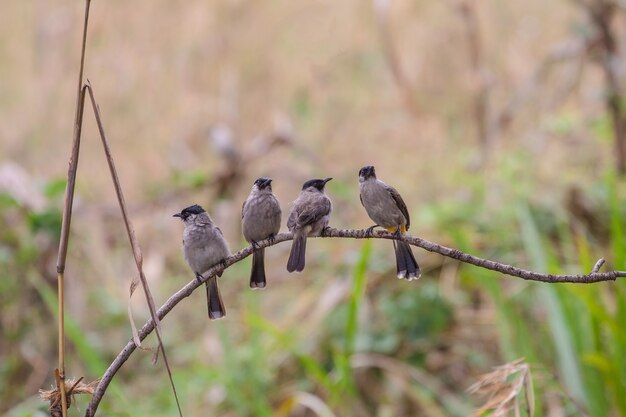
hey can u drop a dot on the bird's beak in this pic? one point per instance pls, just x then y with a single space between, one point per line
326 180
178 215
267 182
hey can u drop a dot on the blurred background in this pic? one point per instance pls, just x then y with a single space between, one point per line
500 123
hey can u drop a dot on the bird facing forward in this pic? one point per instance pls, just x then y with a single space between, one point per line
203 247
260 220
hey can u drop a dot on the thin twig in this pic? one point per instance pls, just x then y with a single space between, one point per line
60 371
131 237
122 203
67 215
188 289
598 265
73 164
78 381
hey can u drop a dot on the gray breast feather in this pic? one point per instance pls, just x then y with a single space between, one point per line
262 218
383 204
204 246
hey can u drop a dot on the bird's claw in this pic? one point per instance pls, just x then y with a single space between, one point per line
325 231
370 230
271 238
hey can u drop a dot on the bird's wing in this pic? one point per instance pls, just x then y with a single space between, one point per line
314 212
401 205
293 215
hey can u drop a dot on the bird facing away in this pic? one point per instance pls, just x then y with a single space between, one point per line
203 247
260 218
309 216
386 208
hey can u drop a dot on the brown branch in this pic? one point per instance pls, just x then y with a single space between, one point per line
186 291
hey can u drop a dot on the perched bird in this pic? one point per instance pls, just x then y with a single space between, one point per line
260 218
386 208
203 247
309 216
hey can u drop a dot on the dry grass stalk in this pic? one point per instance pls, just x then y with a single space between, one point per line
67 218
136 249
503 387
60 408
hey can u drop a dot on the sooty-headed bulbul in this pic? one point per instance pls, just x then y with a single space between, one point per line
203 247
386 208
260 218
309 216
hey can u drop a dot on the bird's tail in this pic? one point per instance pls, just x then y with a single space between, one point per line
214 299
406 264
296 257
257 273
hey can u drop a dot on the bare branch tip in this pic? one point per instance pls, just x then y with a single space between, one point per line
598 265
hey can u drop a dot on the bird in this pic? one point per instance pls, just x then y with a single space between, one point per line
204 246
385 207
260 219
309 216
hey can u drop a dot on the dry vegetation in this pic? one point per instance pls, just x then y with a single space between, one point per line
490 118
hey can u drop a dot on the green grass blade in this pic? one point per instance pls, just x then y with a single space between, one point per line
561 333
345 384
356 297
